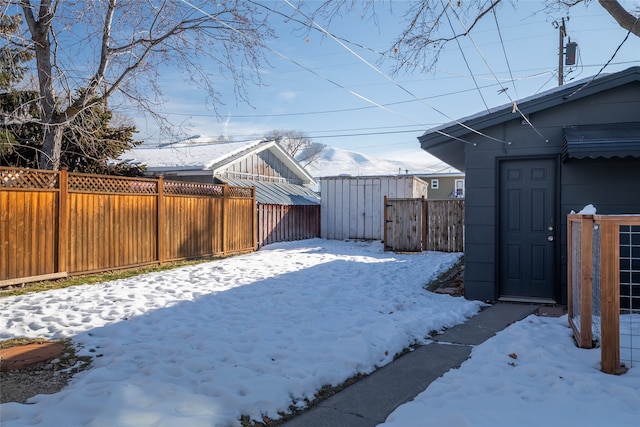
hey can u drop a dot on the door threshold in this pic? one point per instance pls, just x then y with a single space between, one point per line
530 300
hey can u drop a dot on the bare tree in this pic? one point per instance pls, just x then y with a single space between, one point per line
421 41
298 145
117 48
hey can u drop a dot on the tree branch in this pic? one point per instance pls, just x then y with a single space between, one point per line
625 19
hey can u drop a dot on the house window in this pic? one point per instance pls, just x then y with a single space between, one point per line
435 184
459 191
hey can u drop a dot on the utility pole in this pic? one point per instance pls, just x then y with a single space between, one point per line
563 33
570 49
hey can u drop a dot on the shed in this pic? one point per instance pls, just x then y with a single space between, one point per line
353 207
530 163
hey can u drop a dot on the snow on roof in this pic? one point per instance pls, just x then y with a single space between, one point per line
194 153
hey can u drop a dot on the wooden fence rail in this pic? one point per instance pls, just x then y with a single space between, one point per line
58 223
597 269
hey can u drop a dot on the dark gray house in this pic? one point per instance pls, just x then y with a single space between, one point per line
529 164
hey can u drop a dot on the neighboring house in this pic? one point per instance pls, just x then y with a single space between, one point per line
444 186
279 180
353 206
571 146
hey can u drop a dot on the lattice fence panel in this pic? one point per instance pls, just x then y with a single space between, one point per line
28 179
243 192
101 184
193 189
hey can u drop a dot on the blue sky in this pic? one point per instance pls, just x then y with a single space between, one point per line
351 101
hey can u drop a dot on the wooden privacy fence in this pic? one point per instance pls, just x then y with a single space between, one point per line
414 225
603 266
54 224
281 223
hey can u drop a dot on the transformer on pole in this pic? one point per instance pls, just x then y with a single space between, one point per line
566 55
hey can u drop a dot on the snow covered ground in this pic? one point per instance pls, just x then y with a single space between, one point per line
530 374
247 335
253 334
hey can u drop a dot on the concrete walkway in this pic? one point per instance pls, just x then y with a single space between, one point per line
368 402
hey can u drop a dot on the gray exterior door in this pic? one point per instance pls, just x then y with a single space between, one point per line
527 229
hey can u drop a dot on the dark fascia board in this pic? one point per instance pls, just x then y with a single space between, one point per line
530 105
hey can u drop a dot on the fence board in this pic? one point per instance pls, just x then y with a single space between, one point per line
27 233
58 222
443 221
445 225
280 223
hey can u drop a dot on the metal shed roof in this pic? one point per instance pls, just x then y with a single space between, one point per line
277 193
593 141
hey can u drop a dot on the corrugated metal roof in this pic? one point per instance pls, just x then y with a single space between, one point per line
277 193
593 141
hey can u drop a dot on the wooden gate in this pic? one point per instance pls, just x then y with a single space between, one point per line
404 225
415 225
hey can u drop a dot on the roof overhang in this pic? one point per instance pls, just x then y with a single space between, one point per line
279 153
601 141
449 142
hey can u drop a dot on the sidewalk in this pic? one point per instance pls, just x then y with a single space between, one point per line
369 402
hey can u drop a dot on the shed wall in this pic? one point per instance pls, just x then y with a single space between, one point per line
352 207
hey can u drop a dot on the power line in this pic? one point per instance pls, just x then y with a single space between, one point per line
464 57
341 110
609 61
472 130
345 135
331 81
504 52
504 90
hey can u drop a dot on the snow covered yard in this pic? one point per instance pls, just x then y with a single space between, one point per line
531 374
248 335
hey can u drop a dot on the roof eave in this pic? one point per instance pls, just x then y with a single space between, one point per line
504 113
282 155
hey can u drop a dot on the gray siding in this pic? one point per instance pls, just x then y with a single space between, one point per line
612 185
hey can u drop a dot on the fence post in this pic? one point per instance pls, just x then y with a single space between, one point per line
427 227
63 219
160 221
586 281
254 218
610 297
424 223
225 203
385 245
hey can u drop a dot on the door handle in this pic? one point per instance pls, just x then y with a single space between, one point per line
550 238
